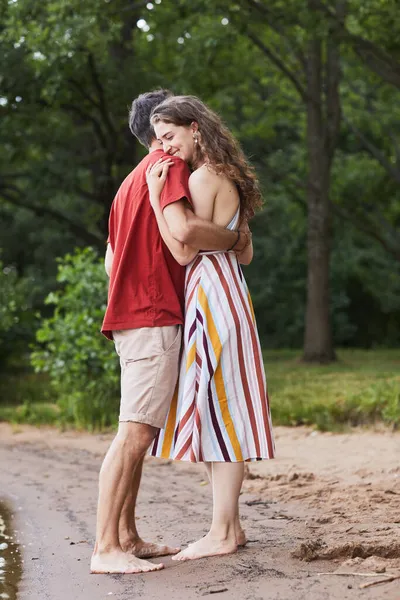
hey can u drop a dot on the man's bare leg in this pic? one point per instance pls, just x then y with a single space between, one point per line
240 533
129 537
227 481
122 458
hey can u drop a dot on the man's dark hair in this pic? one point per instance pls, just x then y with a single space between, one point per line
139 115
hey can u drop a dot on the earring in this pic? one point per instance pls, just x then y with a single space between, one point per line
195 138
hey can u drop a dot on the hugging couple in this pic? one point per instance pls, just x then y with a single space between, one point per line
179 312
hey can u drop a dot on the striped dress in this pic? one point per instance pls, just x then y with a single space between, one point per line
220 409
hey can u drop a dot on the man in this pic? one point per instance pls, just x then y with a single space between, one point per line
144 317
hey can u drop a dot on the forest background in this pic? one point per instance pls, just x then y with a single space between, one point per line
310 88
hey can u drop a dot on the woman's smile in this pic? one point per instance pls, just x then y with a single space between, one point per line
176 140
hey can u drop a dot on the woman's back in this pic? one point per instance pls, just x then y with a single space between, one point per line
215 197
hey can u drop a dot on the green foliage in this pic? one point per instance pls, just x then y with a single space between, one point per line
80 362
16 318
20 385
361 389
377 403
365 281
11 295
31 414
69 71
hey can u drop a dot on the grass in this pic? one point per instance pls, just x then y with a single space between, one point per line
38 413
25 397
361 388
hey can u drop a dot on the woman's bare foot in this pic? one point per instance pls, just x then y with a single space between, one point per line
207 546
117 561
143 549
241 538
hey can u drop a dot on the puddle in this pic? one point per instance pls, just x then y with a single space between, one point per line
10 557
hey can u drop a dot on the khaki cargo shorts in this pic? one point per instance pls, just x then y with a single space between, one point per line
149 359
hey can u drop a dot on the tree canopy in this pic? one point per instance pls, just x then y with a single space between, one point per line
309 88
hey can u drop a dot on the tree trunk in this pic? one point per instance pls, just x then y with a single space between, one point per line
318 346
323 126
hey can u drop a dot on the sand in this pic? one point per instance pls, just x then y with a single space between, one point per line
330 503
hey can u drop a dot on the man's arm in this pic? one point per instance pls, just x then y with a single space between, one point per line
199 233
246 256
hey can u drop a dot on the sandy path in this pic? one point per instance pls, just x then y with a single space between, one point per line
326 496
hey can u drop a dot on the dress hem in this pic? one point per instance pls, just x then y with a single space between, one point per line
188 460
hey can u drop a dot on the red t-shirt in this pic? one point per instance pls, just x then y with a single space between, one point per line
146 283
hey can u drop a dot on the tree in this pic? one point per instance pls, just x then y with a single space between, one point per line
318 125
69 73
303 46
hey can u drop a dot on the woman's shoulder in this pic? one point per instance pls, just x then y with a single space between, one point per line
204 175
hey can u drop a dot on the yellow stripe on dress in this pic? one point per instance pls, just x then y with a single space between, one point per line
170 427
191 356
253 316
218 378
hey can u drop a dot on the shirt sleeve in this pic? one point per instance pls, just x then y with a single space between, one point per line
177 184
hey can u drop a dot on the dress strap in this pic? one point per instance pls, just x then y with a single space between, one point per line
235 219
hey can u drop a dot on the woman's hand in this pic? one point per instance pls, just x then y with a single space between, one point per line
156 175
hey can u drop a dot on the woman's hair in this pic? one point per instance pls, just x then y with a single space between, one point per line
216 145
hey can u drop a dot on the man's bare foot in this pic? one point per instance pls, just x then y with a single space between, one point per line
241 538
143 549
207 546
117 561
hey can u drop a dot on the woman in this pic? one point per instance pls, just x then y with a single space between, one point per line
220 413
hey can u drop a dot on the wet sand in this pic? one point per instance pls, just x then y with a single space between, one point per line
329 504
10 556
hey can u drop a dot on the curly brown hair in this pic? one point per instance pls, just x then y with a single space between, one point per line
216 145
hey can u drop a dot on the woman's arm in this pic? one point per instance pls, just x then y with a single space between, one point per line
182 253
156 176
108 261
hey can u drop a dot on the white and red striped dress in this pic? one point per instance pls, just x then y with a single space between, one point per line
220 410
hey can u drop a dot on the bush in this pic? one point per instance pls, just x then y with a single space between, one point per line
16 318
81 363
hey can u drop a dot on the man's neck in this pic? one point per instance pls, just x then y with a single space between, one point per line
154 146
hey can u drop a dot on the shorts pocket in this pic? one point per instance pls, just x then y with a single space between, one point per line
136 344
168 337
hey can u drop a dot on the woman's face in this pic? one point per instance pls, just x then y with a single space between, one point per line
177 140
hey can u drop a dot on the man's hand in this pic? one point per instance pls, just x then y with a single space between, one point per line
245 238
156 175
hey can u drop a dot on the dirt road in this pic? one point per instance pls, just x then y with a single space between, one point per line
326 499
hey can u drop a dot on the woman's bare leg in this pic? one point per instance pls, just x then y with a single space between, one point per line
227 479
240 533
